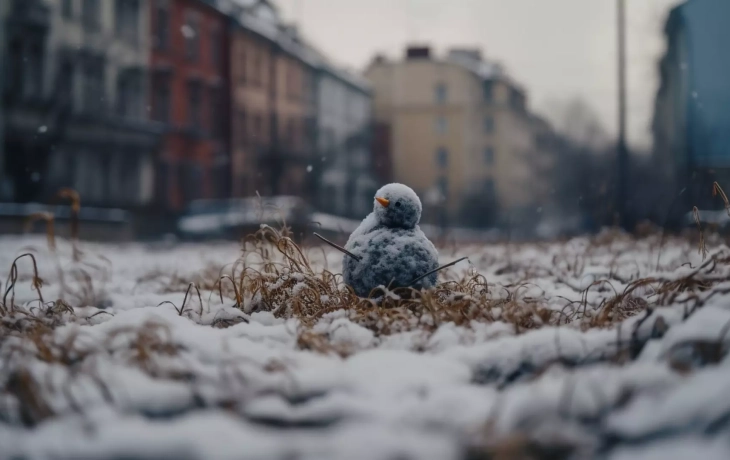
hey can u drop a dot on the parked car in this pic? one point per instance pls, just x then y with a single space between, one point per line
708 218
237 217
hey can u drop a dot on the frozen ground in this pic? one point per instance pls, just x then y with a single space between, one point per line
607 347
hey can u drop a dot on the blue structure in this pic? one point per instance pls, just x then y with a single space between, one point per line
692 110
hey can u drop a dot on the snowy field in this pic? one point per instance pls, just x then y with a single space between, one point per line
602 347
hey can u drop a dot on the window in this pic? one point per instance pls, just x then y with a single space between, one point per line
258 129
93 85
441 125
243 69
15 61
194 104
91 14
442 157
25 74
162 25
190 181
258 68
126 20
489 188
33 72
517 101
488 90
443 186
291 134
440 93
161 97
488 155
488 124
66 81
215 108
215 45
129 94
289 77
67 9
242 128
191 33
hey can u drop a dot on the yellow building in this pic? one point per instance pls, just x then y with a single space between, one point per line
460 126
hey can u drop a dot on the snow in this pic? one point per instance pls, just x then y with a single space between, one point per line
140 380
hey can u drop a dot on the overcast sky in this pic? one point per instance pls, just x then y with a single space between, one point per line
558 49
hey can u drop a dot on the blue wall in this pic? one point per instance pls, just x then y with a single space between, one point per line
707 23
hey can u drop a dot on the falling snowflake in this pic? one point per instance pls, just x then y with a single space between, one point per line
187 31
309 168
42 129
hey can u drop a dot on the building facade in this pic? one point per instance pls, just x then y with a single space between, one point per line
460 134
75 92
691 125
189 96
273 110
5 188
344 123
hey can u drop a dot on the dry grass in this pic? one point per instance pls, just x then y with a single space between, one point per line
274 274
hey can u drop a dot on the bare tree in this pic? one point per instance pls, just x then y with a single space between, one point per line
576 120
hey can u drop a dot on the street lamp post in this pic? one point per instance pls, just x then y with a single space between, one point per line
621 151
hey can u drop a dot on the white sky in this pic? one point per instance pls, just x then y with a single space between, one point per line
557 49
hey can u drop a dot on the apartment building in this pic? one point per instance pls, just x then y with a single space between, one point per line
460 134
74 88
344 123
189 81
272 104
691 124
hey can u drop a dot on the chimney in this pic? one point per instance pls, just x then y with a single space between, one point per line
472 54
418 52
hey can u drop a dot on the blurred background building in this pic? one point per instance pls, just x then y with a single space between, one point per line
691 125
189 96
344 114
75 97
273 105
166 108
461 134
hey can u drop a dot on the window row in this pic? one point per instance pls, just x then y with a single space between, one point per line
441 125
203 104
126 16
254 68
192 33
516 98
255 129
442 156
486 187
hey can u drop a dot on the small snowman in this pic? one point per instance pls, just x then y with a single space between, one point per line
388 248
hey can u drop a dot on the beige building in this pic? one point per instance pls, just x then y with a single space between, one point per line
460 127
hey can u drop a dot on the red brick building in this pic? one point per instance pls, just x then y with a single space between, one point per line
189 92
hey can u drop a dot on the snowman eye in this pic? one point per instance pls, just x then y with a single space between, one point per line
397 204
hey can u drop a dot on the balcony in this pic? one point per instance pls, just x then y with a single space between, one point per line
30 13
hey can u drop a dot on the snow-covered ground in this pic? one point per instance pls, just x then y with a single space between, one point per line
603 347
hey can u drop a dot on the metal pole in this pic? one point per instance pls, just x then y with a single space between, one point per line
622 151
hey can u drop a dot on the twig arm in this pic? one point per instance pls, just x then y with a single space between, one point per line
338 247
436 270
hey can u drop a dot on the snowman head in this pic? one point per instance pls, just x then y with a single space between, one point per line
397 206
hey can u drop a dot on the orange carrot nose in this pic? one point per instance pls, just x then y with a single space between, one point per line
382 201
